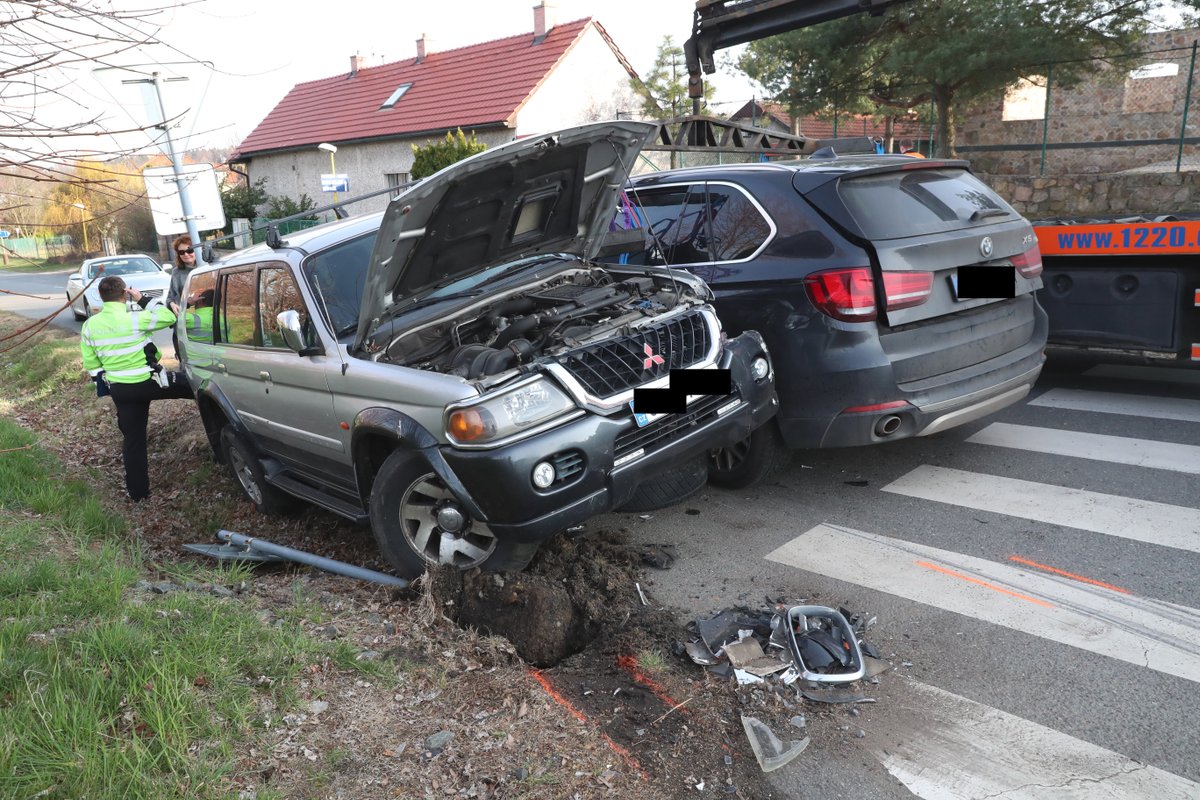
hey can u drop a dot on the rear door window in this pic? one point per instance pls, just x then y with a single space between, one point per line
198 315
916 202
236 314
700 223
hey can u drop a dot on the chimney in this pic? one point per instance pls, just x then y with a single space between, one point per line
424 47
543 20
356 61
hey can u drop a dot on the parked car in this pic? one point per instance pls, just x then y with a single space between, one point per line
141 272
455 371
847 266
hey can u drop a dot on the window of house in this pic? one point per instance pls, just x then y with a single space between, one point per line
395 180
1025 99
395 96
1151 89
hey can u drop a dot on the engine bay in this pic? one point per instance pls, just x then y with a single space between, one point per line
571 309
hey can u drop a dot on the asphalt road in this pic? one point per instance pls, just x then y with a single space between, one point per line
1035 576
49 292
1012 680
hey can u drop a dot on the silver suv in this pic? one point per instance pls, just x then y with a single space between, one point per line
457 372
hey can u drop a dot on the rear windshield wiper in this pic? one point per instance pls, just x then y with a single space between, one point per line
984 213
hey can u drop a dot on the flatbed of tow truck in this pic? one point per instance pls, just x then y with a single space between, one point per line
1123 289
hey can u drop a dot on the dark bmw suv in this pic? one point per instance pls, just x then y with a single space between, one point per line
849 268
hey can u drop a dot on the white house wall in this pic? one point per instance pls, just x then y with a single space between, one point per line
586 80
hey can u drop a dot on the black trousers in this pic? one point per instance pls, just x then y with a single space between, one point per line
133 413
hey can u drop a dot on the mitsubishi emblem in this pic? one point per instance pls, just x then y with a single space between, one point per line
985 247
651 358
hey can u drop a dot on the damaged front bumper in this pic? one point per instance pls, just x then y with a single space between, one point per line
599 461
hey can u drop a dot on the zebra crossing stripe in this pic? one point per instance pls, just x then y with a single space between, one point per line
1185 409
1150 633
1112 515
1098 447
970 751
1136 373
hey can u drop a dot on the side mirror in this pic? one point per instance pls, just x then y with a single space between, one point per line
75 276
167 267
293 333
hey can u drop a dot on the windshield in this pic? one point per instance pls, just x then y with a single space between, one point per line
922 201
123 266
336 276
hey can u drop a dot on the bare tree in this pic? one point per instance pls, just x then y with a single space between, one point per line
46 125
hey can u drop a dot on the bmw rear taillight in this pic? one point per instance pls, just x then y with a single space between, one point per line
1029 263
906 289
849 294
845 294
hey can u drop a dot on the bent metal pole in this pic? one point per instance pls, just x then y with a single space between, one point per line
320 562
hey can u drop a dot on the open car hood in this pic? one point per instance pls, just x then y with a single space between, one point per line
553 193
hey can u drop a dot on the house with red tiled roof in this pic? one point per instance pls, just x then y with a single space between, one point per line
774 117
554 77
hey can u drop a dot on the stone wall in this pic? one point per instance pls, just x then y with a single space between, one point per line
1104 195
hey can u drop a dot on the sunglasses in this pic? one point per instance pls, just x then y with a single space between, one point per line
186 252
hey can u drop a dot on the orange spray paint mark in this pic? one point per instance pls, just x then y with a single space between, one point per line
984 584
579 715
630 665
1070 575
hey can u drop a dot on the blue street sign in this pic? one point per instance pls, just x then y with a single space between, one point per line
5 234
335 182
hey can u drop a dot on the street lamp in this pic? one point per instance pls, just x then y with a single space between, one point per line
83 221
331 149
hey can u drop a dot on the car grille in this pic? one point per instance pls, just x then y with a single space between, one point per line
567 465
152 292
611 367
663 431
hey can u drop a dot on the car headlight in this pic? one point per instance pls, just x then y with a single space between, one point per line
508 413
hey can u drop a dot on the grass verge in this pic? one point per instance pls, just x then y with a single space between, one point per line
110 687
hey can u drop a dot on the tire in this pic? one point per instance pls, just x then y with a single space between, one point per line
247 473
78 317
406 501
671 487
749 461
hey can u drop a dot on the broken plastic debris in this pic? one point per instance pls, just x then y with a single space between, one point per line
835 696
700 653
823 645
768 749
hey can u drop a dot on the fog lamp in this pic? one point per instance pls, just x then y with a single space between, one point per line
543 475
760 368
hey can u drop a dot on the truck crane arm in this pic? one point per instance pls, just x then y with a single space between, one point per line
724 23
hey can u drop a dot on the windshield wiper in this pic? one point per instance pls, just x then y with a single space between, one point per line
428 301
984 213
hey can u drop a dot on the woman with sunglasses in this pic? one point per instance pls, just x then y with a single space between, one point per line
185 259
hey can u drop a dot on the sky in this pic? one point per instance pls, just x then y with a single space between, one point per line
260 49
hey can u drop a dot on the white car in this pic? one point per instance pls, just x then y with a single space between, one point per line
139 272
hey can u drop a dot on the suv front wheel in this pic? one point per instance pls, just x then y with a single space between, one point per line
419 523
749 461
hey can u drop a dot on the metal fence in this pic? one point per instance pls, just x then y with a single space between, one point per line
39 247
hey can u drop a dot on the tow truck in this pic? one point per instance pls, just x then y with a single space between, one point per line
1123 289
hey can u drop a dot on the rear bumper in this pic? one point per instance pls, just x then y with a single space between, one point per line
606 458
925 407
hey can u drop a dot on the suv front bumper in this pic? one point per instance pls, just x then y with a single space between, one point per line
606 458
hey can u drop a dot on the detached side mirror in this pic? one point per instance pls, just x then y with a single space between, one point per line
293 333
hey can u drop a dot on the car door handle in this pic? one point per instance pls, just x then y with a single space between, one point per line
264 376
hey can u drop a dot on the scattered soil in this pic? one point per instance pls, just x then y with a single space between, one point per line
558 682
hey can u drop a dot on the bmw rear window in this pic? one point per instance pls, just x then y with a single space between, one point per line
914 202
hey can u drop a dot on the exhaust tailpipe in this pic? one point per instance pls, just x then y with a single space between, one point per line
886 426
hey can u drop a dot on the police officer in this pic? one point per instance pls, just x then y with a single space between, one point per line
120 356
